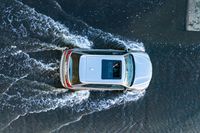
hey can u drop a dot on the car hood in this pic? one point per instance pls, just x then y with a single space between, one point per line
143 70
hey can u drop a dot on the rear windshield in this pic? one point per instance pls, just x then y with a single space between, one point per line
111 69
74 68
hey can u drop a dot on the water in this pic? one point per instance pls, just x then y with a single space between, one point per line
33 35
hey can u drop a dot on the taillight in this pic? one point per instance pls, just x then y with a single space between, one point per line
67 55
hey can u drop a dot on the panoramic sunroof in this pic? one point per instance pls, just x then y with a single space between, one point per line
111 69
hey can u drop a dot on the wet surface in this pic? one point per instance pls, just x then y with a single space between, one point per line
33 34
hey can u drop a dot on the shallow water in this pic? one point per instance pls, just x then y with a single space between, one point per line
33 35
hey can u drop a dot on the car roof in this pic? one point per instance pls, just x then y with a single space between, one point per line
90 69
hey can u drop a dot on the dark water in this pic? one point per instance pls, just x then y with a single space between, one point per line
33 34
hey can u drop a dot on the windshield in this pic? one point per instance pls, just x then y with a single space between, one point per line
129 72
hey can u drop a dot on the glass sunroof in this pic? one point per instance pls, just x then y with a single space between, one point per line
111 69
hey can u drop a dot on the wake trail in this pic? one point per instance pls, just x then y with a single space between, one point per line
102 104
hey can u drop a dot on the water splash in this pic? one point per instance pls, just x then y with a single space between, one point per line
90 107
25 22
30 31
25 64
36 98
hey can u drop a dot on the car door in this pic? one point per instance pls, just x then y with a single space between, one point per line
98 87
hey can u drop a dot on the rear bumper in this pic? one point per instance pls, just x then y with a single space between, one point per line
64 67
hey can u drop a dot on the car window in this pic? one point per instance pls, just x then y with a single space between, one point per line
108 52
118 87
70 68
74 68
130 71
103 86
97 86
111 69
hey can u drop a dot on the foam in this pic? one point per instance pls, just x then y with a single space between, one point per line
30 96
102 104
40 25
45 101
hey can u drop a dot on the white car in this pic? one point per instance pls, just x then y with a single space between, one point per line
105 69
